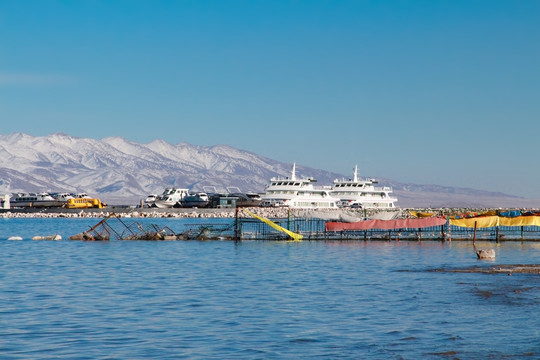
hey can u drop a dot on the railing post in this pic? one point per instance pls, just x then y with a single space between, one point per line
474 236
236 232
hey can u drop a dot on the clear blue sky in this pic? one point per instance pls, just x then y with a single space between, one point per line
428 92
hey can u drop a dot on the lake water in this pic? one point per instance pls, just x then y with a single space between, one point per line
258 299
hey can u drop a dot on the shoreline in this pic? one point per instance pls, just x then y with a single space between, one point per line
128 212
209 213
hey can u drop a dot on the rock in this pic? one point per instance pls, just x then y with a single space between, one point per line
485 254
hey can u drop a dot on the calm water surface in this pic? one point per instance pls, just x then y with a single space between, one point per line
258 299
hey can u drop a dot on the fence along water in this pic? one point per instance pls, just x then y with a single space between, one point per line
495 228
296 226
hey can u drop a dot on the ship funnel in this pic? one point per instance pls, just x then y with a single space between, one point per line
293 174
355 174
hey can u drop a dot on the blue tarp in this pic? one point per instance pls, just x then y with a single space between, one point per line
513 213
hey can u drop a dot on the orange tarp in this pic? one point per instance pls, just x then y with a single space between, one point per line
386 224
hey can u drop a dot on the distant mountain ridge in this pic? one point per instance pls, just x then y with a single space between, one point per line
120 171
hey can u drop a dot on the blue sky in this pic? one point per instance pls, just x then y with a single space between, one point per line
427 92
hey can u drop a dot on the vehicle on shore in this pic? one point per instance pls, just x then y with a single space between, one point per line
244 199
196 200
150 200
82 195
64 196
362 194
297 193
84 203
170 197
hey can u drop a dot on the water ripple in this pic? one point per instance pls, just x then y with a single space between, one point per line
258 300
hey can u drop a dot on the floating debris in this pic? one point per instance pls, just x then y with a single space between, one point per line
98 232
108 229
208 232
55 237
136 231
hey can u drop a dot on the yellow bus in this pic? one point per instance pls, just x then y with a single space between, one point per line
84 203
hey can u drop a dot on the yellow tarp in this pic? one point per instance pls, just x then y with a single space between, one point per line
491 221
481 222
520 221
419 214
294 236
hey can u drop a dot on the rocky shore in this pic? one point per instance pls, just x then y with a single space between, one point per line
138 213
132 212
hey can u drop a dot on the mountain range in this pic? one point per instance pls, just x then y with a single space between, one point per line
120 171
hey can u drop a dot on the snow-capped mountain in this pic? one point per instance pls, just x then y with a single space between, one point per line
120 171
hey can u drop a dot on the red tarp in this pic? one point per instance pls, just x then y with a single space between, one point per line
386 224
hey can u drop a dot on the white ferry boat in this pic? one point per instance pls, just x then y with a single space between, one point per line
170 197
35 200
297 193
362 194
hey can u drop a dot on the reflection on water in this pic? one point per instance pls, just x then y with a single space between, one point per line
257 299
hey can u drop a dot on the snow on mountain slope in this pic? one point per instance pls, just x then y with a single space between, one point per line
124 172
116 168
